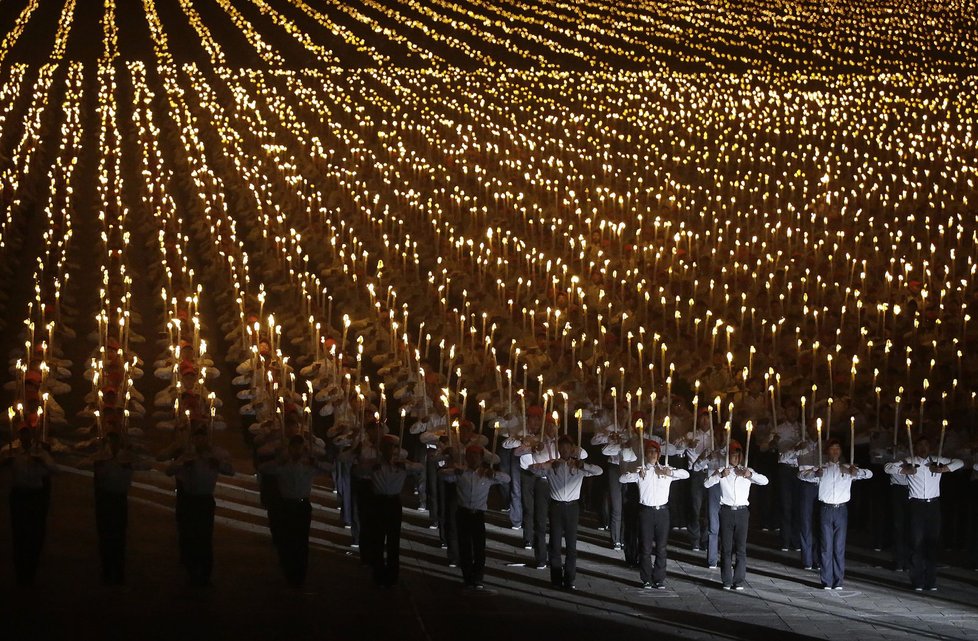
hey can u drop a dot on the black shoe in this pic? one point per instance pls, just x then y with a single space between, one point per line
659 586
646 586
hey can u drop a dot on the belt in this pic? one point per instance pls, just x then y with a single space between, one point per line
295 500
734 508
664 506
930 500
824 504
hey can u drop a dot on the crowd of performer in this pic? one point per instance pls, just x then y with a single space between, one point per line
540 469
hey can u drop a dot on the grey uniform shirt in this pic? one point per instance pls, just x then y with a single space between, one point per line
294 478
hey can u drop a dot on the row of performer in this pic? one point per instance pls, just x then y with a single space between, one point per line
542 475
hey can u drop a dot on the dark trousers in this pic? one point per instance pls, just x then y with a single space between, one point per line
28 520
385 548
733 543
195 530
536 498
449 523
654 539
614 503
271 498
111 519
900 524
564 517
511 465
713 525
344 487
294 519
432 490
505 491
629 524
789 490
835 523
697 496
471 544
925 534
679 496
363 515
807 531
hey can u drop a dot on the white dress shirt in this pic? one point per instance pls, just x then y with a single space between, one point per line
833 486
388 479
734 489
702 446
924 484
294 478
653 490
472 487
789 435
565 480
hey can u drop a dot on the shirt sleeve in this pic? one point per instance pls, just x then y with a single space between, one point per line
953 464
757 478
629 477
679 474
711 480
592 470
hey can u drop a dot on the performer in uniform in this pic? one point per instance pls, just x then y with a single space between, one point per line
923 474
566 475
834 481
196 473
653 481
735 482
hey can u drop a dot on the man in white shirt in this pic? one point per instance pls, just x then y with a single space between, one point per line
386 475
472 485
735 482
698 445
834 481
898 500
294 471
790 443
923 474
653 482
566 475
196 472
29 501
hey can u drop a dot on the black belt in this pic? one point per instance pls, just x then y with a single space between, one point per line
664 506
824 504
734 508
931 500
295 501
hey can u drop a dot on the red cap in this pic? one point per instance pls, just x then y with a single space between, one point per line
651 443
454 411
534 410
735 446
474 449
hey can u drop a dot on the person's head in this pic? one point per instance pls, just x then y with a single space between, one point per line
389 446
792 411
466 430
921 447
566 447
201 439
474 456
651 451
736 453
26 436
703 421
114 441
297 446
833 450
